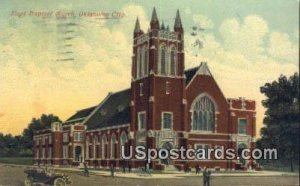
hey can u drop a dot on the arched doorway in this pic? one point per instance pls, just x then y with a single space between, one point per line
78 154
168 146
241 147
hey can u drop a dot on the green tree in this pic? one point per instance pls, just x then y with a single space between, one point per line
41 123
281 122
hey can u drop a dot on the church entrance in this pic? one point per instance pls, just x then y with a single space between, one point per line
168 146
78 154
241 147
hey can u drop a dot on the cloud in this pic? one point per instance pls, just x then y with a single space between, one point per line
281 47
245 36
203 21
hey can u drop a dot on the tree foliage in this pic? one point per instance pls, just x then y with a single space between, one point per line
281 122
21 145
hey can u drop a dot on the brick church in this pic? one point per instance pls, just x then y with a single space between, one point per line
165 107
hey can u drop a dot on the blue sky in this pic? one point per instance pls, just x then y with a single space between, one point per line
246 43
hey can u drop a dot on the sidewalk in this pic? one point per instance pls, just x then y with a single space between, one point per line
158 175
177 175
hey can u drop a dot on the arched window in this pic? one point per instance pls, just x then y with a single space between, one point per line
145 61
139 70
103 146
203 114
162 60
87 147
173 63
112 146
95 149
123 141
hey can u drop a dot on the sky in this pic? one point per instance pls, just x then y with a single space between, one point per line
53 65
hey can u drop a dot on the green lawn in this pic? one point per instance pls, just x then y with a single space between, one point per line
17 160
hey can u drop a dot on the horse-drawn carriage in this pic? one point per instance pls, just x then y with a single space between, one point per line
41 177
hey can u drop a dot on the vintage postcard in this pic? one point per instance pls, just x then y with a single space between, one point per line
152 93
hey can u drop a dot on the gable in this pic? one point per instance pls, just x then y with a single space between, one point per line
114 110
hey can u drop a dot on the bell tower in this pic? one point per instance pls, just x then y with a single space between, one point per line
158 99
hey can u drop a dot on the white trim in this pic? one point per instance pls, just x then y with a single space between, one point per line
197 139
241 110
108 128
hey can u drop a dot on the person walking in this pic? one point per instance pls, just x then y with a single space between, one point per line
206 177
129 167
197 169
112 170
86 170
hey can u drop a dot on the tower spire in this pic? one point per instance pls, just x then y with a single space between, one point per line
137 27
178 25
154 15
154 20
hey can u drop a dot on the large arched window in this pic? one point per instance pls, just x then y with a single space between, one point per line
123 141
103 146
95 149
139 63
145 61
173 63
203 114
112 146
162 67
87 147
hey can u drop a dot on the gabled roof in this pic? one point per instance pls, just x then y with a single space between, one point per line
203 69
113 111
189 74
80 115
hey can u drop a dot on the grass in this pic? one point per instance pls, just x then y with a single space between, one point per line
17 160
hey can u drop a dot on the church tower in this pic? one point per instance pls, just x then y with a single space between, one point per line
158 99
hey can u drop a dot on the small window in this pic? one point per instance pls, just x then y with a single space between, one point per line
142 120
102 112
66 137
65 151
43 140
50 152
167 87
78 136
167 120
50 139
141 89
242 128
43 153
121 108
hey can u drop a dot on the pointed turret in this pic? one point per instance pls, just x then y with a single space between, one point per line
137 29
178 25
162 26
154 20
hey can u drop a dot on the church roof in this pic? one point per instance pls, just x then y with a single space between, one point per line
189 74
113 110
80 115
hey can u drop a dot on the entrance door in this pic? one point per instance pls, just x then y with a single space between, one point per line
78 154
168 146
241 147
